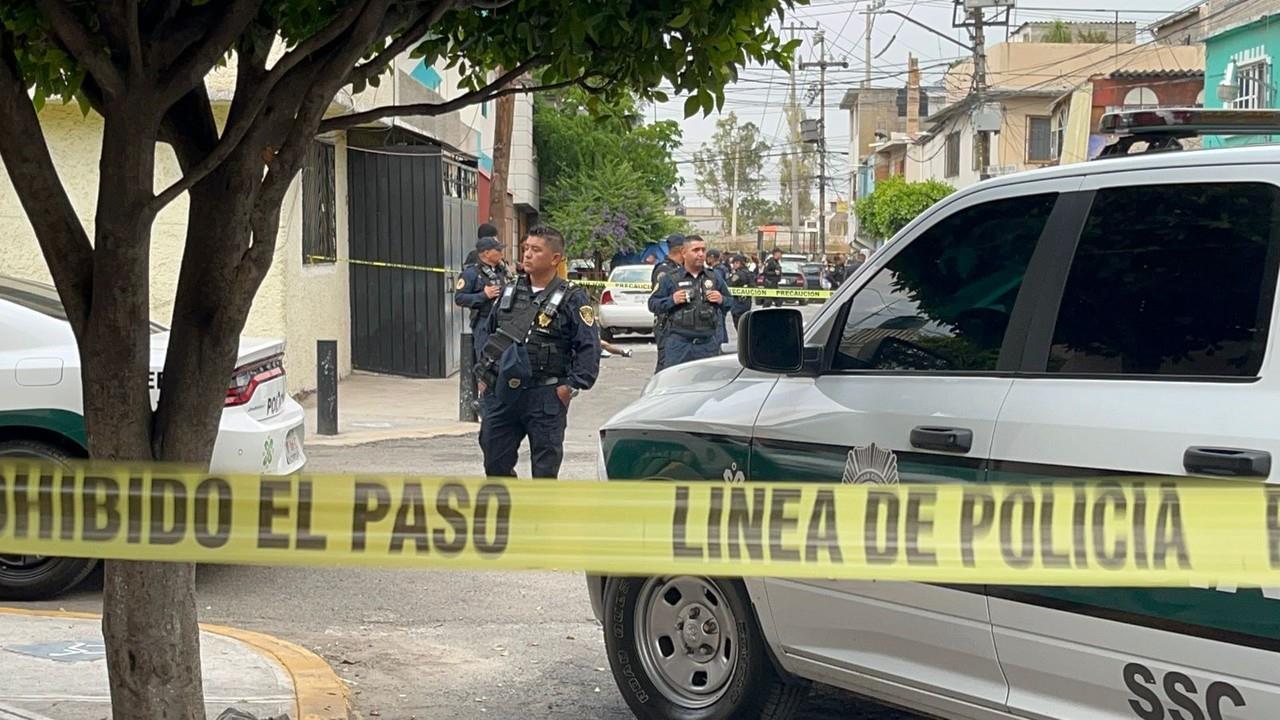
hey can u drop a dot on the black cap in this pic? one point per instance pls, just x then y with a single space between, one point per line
488 243
675 240
713 253
486 230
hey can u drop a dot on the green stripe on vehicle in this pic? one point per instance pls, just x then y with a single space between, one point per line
68 424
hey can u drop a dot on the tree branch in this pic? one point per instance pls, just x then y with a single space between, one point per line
133 35
73 36
413 34
62 236
195 62
488 92
244 114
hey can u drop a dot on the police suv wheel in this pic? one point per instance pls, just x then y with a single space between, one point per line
37 577
689 648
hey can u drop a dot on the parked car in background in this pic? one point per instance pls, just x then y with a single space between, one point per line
42 416
816 276
625 309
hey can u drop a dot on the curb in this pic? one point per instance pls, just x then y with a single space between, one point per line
368 437
319 694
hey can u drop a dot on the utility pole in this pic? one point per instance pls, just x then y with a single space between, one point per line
793 124
980 87
733 203
822 65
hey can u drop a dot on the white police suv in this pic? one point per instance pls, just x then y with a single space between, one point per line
41 413
1103 319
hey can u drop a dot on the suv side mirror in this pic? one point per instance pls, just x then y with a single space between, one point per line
772 340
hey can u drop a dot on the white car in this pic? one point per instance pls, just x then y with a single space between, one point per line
626 309
1103 319
41 413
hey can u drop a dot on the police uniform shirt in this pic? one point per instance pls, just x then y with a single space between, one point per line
662 302
572 330
662 268
772 270
470 289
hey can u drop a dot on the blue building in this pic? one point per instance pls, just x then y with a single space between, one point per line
1239 73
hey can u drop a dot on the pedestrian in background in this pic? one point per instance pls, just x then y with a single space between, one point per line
772 273
694 302
673 261
740 277
543 349
481 282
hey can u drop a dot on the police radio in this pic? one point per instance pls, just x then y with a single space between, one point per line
508 297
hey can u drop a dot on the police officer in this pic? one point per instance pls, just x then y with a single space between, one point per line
720 270
673 262
740 277
694 302
481 283
543 349
772 273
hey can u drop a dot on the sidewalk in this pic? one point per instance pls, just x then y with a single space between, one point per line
52 667
373 408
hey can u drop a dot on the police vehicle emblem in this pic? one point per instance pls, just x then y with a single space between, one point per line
514 383
733 475
544 319
588 315
871 465
460 284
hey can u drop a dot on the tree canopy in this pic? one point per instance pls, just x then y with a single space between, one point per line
896 202
731 164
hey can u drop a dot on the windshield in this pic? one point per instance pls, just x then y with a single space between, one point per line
812 267
640 275
41 298
791 267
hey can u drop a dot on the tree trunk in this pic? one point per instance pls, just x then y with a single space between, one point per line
149 609
504 124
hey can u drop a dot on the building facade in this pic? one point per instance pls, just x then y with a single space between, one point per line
309 293
1240 71
1076 138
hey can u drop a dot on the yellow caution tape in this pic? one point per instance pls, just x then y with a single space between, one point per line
1142 533
739 292
379 264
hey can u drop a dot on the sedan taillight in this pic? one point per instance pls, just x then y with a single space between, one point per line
246 379
606 298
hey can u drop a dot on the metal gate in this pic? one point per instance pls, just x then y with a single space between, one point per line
408 206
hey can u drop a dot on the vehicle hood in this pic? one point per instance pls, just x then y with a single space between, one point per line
251 349
698 376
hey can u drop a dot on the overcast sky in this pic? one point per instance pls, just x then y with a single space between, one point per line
761 93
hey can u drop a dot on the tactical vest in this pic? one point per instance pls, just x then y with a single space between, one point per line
698 317
491 275
535 321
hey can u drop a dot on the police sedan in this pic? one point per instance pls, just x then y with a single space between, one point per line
41 413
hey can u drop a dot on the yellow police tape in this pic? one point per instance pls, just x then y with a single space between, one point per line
1149 533
740 292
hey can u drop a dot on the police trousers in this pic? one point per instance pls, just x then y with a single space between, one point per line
682 349
539 415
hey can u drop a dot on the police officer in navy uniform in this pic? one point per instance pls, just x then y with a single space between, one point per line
693 300
740 277
543 349
772 272
480 283
671 263
719 269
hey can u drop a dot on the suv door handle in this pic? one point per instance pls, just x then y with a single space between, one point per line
959 440
1228 462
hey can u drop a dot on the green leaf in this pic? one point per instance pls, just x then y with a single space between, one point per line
680 20
692 105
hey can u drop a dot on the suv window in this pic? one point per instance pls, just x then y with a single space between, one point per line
1171 280
943 303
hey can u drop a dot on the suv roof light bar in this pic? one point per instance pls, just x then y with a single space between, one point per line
1162 128
1190 122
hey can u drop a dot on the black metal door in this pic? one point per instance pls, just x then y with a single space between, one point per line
397 314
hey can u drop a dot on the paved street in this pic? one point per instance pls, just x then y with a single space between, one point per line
420 644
